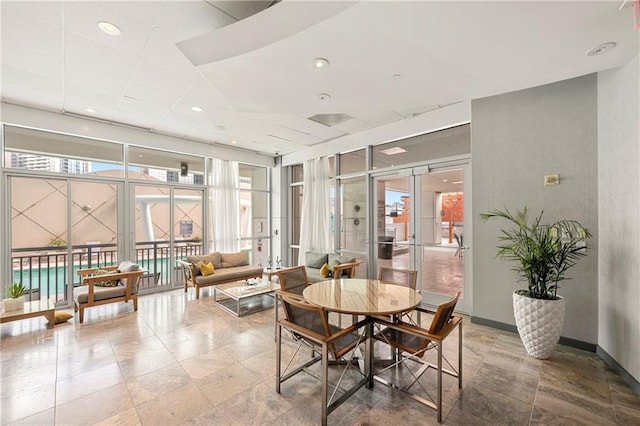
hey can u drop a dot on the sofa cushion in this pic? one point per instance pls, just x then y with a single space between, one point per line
230 260
81 294
128 266
334 257
315 260
211 257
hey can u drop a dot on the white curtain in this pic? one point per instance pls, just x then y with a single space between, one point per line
315 223
226 206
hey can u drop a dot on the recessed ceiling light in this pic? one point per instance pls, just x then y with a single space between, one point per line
233 142
196 109
109 28
604 47
393 151
323 96
320 63
90 110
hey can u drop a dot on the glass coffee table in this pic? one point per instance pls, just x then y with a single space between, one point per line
245 297
32 309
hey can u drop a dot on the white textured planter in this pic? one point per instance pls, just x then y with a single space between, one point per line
16 304
539 323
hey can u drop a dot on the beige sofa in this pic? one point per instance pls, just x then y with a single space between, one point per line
228 267
340 266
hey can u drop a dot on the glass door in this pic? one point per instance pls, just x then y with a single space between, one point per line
168 226
440 228
420 225
59 226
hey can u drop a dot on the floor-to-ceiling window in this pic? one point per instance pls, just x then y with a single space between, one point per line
255 223
168 202
65 200
402 204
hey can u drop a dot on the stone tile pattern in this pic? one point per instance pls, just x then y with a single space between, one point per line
185 361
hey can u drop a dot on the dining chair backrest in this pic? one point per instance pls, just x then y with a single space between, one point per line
405 277
443 315
293 280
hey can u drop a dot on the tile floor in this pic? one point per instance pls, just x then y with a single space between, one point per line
186 361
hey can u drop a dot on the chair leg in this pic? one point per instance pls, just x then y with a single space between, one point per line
81 315
135 304
278 355
439 390
460 355
325 382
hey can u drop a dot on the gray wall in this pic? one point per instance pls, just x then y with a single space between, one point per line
516 139
619 215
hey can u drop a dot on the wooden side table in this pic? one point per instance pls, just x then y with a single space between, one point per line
32 309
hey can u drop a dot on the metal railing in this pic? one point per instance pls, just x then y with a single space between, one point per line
44 270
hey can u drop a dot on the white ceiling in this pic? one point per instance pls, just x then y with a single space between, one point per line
261 89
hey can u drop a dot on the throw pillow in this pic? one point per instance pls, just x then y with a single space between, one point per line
128 266
61 317
324 271
106 283
315 260
206 269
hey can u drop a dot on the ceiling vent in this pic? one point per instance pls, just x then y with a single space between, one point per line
330 120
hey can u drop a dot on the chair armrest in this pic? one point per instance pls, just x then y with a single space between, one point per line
421 332
348 330
188 269
351 266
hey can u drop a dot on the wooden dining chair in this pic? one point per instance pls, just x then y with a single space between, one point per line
413 342
405 277
310 327
293 280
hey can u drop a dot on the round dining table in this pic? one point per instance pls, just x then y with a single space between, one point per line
365 297
362 296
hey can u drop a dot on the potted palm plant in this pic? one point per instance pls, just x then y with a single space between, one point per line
543 253
15 302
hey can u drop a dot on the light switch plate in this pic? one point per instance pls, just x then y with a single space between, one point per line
551 180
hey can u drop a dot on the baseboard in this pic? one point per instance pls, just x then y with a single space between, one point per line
578 344
628 378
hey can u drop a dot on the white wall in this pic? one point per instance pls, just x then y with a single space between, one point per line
619 215
516 139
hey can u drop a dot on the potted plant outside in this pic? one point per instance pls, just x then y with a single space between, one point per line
543 253
15 302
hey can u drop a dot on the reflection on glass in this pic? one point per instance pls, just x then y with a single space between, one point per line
353 223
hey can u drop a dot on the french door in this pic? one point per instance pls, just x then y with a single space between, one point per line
168 225
421 223
60 225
